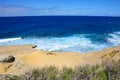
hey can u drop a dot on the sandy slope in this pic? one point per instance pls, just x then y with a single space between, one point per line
21 49
44 58
27 58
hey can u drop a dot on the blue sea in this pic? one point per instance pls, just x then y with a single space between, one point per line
61 33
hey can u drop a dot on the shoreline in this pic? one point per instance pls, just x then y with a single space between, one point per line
26 57
34 48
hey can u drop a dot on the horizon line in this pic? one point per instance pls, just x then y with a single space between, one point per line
60 16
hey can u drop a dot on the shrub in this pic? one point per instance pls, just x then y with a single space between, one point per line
101 75
85 72
67 74
110 68
113 53
9 77
52 73
45 73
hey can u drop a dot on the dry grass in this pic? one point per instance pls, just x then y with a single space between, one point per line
111 54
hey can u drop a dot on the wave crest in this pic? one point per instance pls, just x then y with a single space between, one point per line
9 39
114 38
73 43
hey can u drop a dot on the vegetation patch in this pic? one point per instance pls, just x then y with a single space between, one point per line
108 70
111 54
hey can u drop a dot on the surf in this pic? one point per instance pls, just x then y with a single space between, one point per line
9 39
73 43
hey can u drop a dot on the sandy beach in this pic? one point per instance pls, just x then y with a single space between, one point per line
26 58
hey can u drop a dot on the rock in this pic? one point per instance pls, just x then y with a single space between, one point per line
34 46
7 58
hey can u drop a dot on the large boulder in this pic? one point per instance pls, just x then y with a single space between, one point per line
7 58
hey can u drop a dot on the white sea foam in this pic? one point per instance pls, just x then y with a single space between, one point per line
9 39
75 43
117 32
114 38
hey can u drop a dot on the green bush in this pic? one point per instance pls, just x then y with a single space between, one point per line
108 69
84 72
45 73
52 73
67 74
113 53
101 75
111 68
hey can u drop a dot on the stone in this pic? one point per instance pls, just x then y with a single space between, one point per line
7 58
34 46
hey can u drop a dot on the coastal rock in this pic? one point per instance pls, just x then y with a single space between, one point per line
34 46
7 58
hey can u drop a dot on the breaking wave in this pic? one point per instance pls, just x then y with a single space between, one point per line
114 38
73 43
9 39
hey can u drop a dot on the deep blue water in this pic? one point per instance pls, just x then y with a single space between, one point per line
61 33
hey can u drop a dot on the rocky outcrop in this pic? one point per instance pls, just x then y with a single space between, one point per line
7 58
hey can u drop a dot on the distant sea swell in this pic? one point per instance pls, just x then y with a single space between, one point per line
70 34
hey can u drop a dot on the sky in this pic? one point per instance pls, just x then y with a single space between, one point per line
59 7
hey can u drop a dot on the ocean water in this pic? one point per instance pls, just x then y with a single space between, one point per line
61 33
